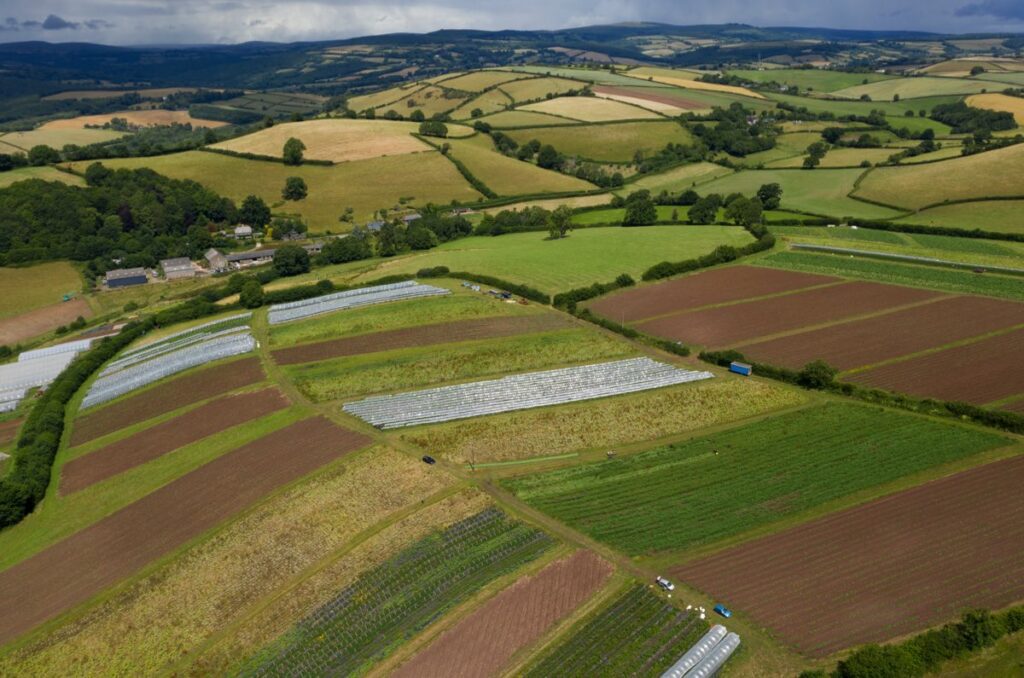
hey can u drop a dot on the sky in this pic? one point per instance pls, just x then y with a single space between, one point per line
133 22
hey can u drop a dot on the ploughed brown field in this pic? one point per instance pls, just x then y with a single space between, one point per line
984 371
203 421
42 320
716 286
899 333
641 93
727 325
165 398
9 430
483 643
441 333
883 569
77 568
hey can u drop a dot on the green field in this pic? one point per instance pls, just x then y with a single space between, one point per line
521 118
840 157
365 185
31 287
397 315
613 142
914 88
479 80
945 279
345 378
522 91
810 78
983 175
862 108
594 75
676 179
992 215
614 215
918 124
392 602
822 192
587 256
59 137
490 101
636 629
707 489
46 173
507 176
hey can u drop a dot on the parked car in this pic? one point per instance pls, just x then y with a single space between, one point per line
665 584
427 459
723 610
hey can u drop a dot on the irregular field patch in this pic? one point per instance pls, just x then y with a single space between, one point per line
750 319
637 633
945 279
984 371
603 423
707 489
523 118
912 88
205 420
424 335
883 569
612 142
46 173
75 569
480 80
990 215
368 619
872 340
218 583
538 88
26 289
334 139
591 109
982 175
419 367
19 328
166 397
677 179
58 138
717 286
508 176
489 102
484 642
144 118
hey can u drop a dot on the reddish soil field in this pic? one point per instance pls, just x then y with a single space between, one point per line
205 420
165 398
987 370
869 341
27 325
441 333
717 286
730 324
641 93
9 430
883 569
483 643
77 568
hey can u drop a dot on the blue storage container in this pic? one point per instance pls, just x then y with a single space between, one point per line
741 368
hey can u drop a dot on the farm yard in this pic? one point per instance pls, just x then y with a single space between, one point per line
949 545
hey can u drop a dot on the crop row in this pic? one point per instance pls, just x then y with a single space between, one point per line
709 488
637 634
392 602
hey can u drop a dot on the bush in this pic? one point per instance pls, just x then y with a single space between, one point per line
251 295
433 128
435 272
291 260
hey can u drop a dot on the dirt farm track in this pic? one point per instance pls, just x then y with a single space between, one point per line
882 569
73 570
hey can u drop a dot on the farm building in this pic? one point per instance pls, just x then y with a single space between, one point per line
243 231
217 261
124 277
251 258
375 226
177 268
314 247
409 218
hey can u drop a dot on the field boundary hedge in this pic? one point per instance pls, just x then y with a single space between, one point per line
721 255
265 158
894 227
473 180
811 378
906 259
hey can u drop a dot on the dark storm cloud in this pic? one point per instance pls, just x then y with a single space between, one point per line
196 21
1000 9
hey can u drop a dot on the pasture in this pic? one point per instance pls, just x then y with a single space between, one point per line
364 185
46 173
520 117
508 176
912 88
999 102
142 118
478 81
990 174
58 138
950 545
431 100
383 97
698 492
591 109
864 108
688 80
333 139
24 289
991 215
677 179
276 104
611 142
822 192
585 257
490 101
522 91
809 78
